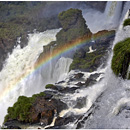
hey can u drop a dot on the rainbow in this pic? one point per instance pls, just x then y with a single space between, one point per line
56 52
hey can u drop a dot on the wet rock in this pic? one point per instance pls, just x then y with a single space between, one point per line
62 89
40 108
82 119
60 82
79 84
92 79
68 90
48 96
94 76
50 92
78 76
12 124
90 82
81 102
63 121
43 110
13 127
56 127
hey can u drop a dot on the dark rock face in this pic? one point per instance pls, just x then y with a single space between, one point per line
74 28
61 121
63 89
85 61
13 124
13 127
79 84
43 111
78 76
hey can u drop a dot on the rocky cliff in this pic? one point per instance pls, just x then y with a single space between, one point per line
73 28
17 19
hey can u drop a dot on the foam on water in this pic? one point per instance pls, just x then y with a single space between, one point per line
20 62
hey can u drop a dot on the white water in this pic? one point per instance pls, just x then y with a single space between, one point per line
108 20
21 62
115 98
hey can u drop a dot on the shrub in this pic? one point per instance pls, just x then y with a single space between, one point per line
49 86
21 109
126 22
121 58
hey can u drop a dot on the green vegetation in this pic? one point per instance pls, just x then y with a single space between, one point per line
49 86
21 109
69 17
17 18
126 22
121 58
73 25
89 62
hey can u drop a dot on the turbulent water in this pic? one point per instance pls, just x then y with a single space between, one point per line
110 19
17 77
114 103
108 99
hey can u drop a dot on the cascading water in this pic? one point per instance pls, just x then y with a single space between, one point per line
18 76
97 21
108 100
113 105
114 90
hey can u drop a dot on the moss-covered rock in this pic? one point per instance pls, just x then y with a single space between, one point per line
73 25
73 28
121 58
50 86
21 109
91 61
40 108
126 22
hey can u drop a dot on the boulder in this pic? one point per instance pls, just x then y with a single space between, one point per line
79 84
43 111
78 75
40 108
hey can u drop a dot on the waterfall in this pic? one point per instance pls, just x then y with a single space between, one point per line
115 91
108 20
113 13
18 76
109 99
114 103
